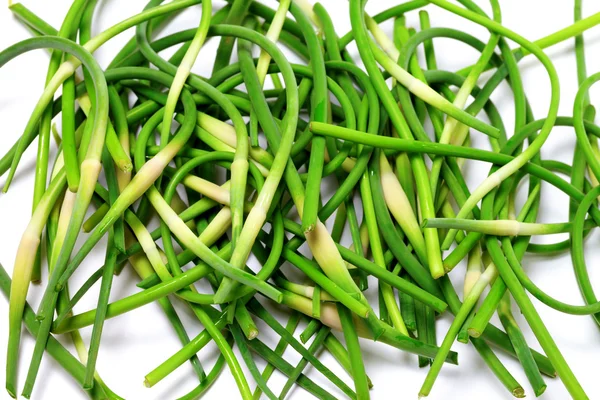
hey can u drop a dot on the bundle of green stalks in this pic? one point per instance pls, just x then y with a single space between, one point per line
235 166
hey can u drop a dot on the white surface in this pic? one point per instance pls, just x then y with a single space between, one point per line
135 343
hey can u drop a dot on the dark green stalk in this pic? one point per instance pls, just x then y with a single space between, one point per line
314 347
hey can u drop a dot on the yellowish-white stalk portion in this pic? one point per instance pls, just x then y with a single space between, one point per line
217 228
225 133
303 290
412 84
382 39
207 188
400 207
183 71
488 276
328 257
307 8
220 194
56 134
272 34
473 269
149 247
66 211
86 105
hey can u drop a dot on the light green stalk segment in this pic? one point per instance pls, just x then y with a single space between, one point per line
239 167
563 34
502 227
554 38
328 257
264 59
239 174
216 144
428 95
534 148
226 134
245 321
469 302
220 194
149 247
122 131
303 290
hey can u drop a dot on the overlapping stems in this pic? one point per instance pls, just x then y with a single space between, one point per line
423 189
503 173
292 143
147 173
90 168
333 265
68 67
240 169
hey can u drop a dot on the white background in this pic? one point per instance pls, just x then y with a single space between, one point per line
135 343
